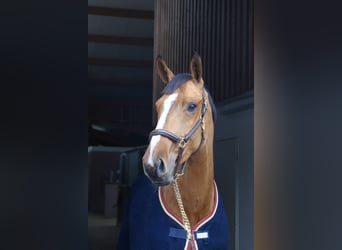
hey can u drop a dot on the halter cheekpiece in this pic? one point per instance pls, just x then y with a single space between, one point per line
183 140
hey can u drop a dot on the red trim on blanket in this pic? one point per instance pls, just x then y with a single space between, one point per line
210 214
179 219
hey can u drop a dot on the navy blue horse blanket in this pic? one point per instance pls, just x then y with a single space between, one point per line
149 224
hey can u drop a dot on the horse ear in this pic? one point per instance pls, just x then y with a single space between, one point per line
163 70
196 67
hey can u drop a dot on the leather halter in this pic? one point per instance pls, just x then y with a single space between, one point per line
183 140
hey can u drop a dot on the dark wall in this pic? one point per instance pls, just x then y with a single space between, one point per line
120 69
220 31
234 166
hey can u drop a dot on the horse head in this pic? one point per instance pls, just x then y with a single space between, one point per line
180 130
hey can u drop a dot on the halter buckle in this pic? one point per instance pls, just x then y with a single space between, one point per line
202 125
204 108
181 143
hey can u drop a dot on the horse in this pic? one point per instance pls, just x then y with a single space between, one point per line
176 204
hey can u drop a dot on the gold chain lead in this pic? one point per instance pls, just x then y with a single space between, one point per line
181 208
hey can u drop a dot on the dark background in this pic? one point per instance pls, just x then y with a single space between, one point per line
298 120
297 125
124 37
120 72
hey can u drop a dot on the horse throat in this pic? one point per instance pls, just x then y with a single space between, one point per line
196 188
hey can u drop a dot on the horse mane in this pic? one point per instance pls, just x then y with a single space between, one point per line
180 79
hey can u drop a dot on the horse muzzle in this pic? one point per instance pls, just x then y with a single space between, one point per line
157 172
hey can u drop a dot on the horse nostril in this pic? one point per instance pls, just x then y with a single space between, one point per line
160 167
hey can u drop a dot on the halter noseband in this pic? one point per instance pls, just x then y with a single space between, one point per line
183 140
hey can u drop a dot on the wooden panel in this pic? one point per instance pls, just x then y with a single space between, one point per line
120 26
120 62
92 81
120 75
141 41
124 4
118 12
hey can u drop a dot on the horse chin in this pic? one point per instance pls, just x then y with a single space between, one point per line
162 182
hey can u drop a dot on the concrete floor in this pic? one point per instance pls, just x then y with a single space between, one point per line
102 232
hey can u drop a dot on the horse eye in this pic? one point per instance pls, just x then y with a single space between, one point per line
191 107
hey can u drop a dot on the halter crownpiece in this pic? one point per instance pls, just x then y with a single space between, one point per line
183 140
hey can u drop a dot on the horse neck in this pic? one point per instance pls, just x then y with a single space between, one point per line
196 185
199 175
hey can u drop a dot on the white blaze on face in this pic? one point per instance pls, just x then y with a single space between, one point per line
168 102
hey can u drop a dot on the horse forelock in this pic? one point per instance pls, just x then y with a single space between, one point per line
176 82
180 79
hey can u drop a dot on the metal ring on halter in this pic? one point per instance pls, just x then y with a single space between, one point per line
182 143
